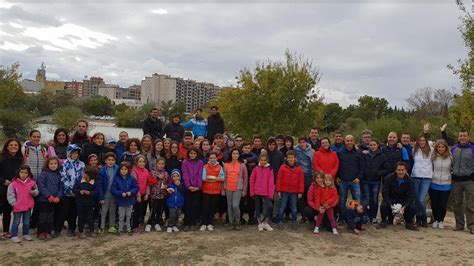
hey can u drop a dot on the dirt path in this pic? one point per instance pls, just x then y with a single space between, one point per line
393 245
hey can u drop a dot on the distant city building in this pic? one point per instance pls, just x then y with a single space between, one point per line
135 104
108 90
76 88
133 93
91 86
48 85
128 96
195 94
158 88
31 86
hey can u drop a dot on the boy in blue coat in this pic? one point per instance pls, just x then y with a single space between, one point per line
125 189
106 199
175 200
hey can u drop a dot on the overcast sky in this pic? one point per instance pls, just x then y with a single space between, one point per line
380 48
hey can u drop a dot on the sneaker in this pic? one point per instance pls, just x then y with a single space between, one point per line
382 225
169 230
27 238
82 235
195 228
91 234
101 231
118 233
374 221
316 230
157 228
137 230
252 221
435 224
55 234
280 226
70 233
112 230
302 220
130 232
260 227
15 239
148 228
42 236
238 227
294 226
203 228
334 231
210 227
187 228
267 227
175 229
440 225
411 226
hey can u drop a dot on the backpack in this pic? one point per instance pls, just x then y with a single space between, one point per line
27 152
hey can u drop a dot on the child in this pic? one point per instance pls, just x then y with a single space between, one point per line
106 199
175 200
157 186
93 161
86 192
248 204
212 177
125 190
142 175
71 172
355 216
326 200
192 177
132 150
50 193
20 196
262 189
311 211
290 187
235 186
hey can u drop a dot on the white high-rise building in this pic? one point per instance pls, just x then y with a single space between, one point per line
158 88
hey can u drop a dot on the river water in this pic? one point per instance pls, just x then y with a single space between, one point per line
110 131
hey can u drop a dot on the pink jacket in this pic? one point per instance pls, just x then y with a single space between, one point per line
141 175
261 182
19 194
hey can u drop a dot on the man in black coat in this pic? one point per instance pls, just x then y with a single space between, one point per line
215 123
153 125
173 129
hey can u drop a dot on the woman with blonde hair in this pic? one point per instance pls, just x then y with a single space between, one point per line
441 184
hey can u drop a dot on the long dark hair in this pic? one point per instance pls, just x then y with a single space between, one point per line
229 158
5 148
55 138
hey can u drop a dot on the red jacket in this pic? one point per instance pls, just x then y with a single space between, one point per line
311 197
326 162
290 179
326 195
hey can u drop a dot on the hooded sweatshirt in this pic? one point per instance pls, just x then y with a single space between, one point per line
261 181
199 125
71 170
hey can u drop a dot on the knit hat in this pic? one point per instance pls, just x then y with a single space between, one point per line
176 171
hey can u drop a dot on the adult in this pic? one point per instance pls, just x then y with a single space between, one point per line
304 157
288 145
198 123
80 136
441 184
366 138
338 142
10 161
58 146
407 144
375 167
239 142
398 189
463 181
120 145
173 129
153 125
394 152
280 141
257 145
349 174
185 145
215 123
325 159
172 159
97 147
275 159
422 174
34 155
313 139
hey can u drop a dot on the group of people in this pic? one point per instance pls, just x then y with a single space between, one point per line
87 180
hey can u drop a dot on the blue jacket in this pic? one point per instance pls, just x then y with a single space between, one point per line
103 181
119 149
176 199
337 147
199 127
49 184
71 170
350 165
123 185
85 200
305 159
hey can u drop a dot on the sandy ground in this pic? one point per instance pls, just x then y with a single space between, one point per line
393 245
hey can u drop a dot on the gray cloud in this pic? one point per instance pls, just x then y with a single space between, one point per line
383 49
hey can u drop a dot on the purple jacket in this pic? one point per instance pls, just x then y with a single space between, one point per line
192 173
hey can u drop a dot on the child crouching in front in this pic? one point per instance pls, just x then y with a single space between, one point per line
175 200
356 216
326 200
20 195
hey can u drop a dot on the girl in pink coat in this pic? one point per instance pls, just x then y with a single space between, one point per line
262 189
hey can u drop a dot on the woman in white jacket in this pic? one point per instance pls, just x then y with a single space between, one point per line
422 175
441 184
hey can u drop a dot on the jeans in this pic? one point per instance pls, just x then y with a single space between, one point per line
356 222
439 202
263 208
343 191
421 187
85 215
108 208
371 197
276 206
285 198
174 216
461 189
210 205
233 205
125 214
17 216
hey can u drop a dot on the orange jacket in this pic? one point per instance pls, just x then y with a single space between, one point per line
326 195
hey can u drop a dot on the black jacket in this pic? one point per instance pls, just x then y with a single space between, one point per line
350 165
275 159
153 128
93 148
86 200
174 131
215 124
9 166
374 169
393 192
172 163
394 155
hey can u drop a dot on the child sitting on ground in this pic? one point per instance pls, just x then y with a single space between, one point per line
356 216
